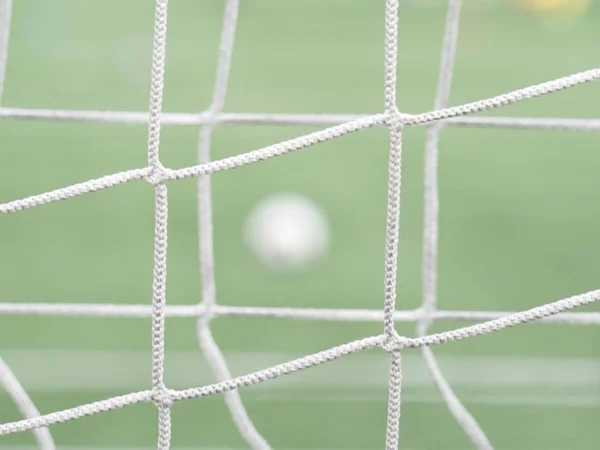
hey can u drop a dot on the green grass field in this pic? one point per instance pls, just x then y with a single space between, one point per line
519 222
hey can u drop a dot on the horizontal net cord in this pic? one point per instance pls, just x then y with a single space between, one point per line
183 119
304 363
126 311
94 310
446 114
526 123
372 315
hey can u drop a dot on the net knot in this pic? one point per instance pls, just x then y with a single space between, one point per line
157 175
396 119
393 342
210 116
162 398
207 312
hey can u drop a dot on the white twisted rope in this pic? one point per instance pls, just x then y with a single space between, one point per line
312 314
24 404
203 118
393 222
74 190
431 230
8 380
158 177
299 143
340 125
209 347
537 90
5 15
160 395
296 365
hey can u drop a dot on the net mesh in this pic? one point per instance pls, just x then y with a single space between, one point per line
208 309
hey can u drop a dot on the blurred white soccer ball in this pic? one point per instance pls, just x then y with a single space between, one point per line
287 232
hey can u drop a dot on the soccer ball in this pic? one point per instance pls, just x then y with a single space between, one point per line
287 232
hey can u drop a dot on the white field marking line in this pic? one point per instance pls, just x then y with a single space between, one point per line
62 370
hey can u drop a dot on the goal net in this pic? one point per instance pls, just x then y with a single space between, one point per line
390 341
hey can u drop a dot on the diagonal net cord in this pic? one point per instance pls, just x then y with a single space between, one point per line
24 404
431 230
390 341
160 394
302 142
8 380
306 362
549 87
392 223
209 347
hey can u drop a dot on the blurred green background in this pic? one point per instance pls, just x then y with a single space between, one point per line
519 221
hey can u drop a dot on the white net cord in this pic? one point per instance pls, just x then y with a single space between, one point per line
393 221
208 309
209 347
160 394
431 229
8 380
24 404
531 315
5 15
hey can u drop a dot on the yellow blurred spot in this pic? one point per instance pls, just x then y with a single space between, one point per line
557 12
553 5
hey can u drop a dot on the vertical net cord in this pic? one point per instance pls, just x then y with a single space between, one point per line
393 221
157 175
5 18
211 351
161 396
8 380
431 230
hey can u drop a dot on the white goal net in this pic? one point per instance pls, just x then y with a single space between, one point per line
159 176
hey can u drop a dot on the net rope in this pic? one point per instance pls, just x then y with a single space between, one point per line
208 309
